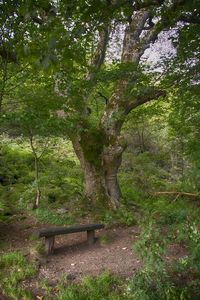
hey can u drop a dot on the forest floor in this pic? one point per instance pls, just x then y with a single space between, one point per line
73 257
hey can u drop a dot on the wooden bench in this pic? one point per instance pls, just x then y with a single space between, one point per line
50 233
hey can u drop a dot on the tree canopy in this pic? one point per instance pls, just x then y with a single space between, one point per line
56 64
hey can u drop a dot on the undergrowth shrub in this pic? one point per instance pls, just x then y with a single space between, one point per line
60 177
122 216
155 279
143 172
189 234
160 279
152 280
169 212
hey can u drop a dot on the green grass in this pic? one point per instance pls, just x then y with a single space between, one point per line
103 287
122 216
15 269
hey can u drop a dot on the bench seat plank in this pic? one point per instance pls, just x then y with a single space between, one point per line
52 231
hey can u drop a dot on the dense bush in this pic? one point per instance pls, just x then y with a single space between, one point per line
60 178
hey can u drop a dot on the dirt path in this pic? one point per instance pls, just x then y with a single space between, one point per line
73 257
112 252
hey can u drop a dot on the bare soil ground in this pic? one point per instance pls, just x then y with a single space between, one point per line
73 257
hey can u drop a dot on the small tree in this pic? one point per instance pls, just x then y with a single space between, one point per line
34 124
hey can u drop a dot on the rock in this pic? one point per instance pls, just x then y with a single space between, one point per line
3 297
30 206
61 211
71 276
52 282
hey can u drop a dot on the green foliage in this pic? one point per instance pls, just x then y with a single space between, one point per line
168 212
28 120
15 269
141 175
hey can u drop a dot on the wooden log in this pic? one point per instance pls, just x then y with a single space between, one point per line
177 193
90 237
49 244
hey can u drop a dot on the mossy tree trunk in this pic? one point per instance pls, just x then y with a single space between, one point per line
100 168
100 150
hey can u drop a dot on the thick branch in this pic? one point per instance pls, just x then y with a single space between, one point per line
150 37
146 4
150 94
37 20
104 97
133 48
9 56
133 31
116 110
100 52
178 194
193 18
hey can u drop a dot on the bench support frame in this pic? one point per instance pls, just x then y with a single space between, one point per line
49 244
90 237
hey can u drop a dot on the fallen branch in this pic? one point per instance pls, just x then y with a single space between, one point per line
178 194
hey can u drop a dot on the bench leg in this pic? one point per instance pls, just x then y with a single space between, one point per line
49 244
90 237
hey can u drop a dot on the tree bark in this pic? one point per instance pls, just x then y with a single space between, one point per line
3 83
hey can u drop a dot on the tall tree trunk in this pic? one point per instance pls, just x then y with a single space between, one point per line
100 149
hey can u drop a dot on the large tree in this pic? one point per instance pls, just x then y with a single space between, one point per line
72 39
